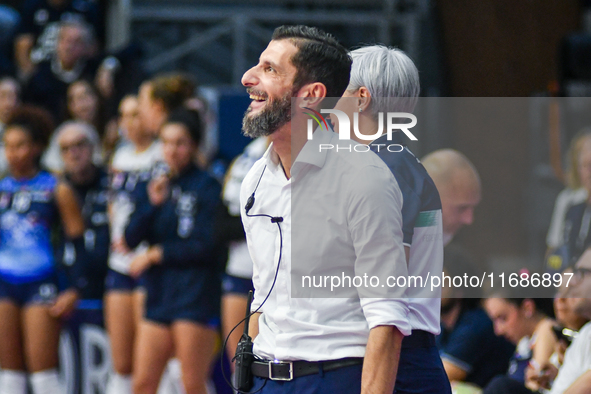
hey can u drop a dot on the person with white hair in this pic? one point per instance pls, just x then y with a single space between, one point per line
78 145
385 80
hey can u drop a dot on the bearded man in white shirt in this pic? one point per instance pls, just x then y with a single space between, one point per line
309 211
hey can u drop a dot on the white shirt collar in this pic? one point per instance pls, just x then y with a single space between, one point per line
310 153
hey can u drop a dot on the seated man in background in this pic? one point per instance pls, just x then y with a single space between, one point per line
458 184
470 350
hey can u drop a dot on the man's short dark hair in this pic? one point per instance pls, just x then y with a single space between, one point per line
320 58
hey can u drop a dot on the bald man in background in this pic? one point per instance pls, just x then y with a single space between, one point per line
467 338
458 184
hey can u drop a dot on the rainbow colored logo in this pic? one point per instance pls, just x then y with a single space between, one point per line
315 115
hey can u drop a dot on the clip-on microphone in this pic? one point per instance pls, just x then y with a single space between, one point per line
244 356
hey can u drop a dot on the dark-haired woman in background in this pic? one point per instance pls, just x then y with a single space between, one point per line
526 323
84 104
162 95
182 276
32 201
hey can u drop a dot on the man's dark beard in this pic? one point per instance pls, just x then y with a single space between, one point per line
269 120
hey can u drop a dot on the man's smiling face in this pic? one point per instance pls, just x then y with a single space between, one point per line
270 86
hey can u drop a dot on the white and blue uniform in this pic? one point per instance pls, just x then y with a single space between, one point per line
129 170
238 278
27 215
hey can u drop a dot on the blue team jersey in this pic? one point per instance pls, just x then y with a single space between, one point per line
27 214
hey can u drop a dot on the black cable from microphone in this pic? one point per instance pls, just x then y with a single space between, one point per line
244 353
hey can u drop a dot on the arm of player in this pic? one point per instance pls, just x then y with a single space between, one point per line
73 226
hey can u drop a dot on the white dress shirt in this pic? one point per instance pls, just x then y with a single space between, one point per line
346 218
127 160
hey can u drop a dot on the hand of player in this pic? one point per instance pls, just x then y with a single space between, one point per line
64 304
120 246
537 379
158 190
145 260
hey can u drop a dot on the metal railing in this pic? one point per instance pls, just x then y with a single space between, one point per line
221 39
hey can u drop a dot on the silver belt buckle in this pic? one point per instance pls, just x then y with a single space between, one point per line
290 363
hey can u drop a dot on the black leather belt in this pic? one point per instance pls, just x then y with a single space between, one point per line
418 338
289 370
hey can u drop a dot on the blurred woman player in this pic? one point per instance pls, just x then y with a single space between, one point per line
182 274
131 163
131 167
32 201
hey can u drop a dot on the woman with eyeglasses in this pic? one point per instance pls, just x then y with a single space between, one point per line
32 202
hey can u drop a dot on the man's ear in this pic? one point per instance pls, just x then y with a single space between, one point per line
528 307
312 94
363 98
